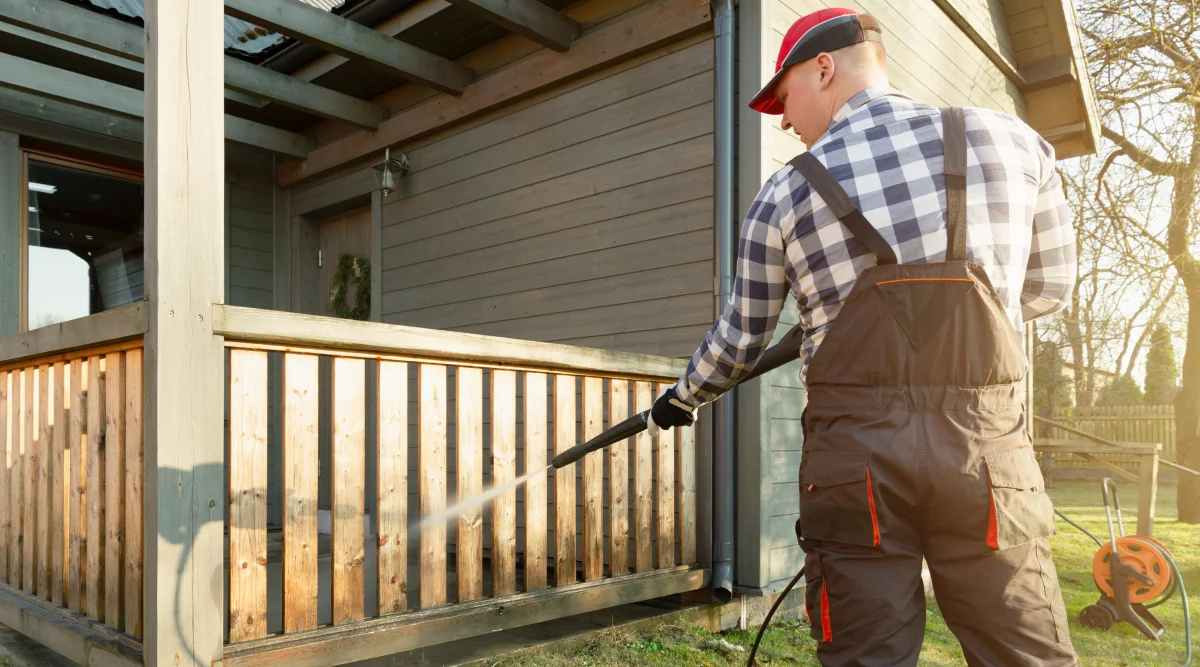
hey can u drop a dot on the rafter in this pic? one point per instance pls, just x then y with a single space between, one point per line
35 78
529 18
103 38
344 37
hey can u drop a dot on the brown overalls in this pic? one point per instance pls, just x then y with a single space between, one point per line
915 445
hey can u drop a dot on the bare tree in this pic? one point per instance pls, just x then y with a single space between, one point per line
1147 78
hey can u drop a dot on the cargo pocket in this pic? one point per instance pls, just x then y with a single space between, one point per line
1020 509
816 599
837 500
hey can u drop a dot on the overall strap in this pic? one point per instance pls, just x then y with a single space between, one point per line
839 202
954 132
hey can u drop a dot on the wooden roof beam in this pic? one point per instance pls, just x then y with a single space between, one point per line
344 37
528 18
35 78
660 22
109 40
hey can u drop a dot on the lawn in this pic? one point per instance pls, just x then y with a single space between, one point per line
787 643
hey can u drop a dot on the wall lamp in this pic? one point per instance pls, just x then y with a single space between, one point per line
386 172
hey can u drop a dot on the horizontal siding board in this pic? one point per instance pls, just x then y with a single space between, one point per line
250 219
664 131
648 106
690 309
680 157
668 342
521 119
629 287
639 197
621 231
248 238
689 247
249 258
251 278
785 561
785 466
253 195
250 298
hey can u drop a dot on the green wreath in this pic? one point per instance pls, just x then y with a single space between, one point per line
359 269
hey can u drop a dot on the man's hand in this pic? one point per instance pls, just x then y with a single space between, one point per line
669 411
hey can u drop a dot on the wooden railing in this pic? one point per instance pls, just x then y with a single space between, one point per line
425 419
71 440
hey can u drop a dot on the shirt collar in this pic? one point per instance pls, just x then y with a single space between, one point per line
861 98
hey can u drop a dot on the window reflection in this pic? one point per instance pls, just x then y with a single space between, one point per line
85 243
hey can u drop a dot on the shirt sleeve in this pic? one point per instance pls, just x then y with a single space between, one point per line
738 337
1051 272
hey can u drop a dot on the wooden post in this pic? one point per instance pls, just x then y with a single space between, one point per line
184 369
1148 493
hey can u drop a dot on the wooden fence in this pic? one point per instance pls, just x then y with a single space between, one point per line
403 437
71 436
1122 423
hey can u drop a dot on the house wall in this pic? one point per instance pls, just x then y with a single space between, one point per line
935 61
583 218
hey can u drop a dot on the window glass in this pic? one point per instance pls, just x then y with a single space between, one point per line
85 243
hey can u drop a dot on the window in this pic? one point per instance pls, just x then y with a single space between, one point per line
83 239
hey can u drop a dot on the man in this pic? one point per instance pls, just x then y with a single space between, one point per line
916 243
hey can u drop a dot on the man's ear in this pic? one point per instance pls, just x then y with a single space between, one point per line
827 66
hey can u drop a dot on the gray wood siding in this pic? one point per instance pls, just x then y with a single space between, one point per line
585 217
250 185
930 58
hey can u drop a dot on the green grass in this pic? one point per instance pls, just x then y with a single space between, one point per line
787 643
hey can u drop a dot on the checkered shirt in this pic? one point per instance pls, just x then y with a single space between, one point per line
886 151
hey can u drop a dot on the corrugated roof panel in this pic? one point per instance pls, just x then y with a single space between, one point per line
239 34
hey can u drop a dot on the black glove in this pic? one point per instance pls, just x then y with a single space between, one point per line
669 411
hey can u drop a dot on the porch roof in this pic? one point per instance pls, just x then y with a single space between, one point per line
312 61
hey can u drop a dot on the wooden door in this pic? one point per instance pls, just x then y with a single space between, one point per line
345 233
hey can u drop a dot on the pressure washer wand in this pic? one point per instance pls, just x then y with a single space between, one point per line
783 352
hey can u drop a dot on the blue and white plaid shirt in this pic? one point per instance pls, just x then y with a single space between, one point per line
886 151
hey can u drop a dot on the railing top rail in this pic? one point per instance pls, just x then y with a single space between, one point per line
312 333
59 340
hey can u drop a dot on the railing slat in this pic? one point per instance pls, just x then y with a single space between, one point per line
504 470
77 520
564 481
469 424
536 501
96 405
134 476
618 481
643 494
349 488
431 462
247 495
393 486
685 496
58 517
42 481
114 486
300 466
31 496
16 479
593 481
665 492
5 472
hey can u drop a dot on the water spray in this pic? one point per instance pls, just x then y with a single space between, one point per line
783 352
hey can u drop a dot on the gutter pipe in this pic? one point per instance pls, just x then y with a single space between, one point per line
724 258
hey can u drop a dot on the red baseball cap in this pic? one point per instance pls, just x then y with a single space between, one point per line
822 31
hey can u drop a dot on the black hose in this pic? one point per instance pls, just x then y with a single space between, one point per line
767 621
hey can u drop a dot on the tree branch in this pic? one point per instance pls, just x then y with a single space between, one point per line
1142 158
